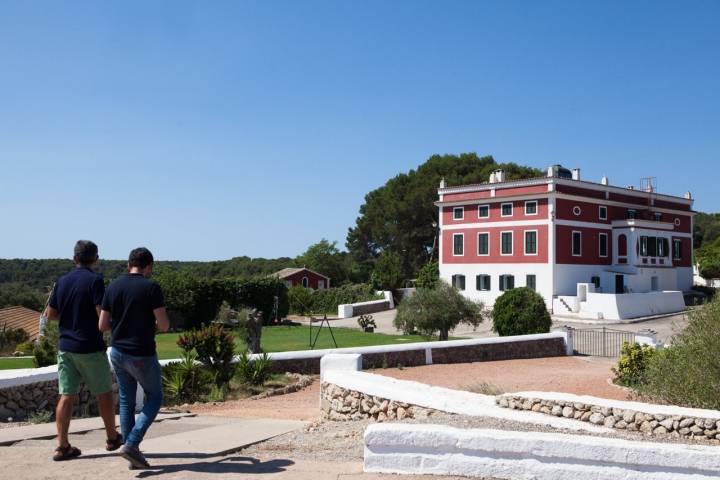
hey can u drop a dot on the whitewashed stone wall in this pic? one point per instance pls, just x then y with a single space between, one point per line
671 423
341 404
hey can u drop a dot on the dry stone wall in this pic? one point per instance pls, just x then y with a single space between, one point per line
622 419
341 404
18 403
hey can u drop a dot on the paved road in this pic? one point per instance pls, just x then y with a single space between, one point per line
665 327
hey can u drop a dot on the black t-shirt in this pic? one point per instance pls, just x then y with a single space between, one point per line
131 300
75 297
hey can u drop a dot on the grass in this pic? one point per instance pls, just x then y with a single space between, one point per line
7 363
274 339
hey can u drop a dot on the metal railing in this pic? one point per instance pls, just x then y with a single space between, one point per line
600 342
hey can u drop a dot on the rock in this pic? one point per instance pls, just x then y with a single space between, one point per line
645 427
609 421
710 424
545 409
668 424
567 412
696 430
710 433
639 418
628 416
527 404
596 418
660 430
580 406
556 410
384 405
684 431
621 424
391 414
686 422
659 417
502 401
536 407
401 413
586 416
632 427
654 423
578 414
606 411
5 413
11 405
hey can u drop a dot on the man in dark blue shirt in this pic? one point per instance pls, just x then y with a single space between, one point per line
134 308
75 302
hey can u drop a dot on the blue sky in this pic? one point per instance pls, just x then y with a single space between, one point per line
207 130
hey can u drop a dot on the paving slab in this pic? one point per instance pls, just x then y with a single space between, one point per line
11 435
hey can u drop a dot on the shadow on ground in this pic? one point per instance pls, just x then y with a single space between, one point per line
226 465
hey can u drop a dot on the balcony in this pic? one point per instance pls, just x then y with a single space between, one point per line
640 223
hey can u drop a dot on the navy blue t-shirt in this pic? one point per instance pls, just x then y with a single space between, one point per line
131 300
75 296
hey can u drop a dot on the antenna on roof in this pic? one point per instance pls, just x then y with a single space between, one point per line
649 186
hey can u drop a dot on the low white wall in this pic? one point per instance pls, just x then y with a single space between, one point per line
443 399
347 310
441 450
631 305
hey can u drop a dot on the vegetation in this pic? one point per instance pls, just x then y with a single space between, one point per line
254 372
19 294
214 347
10 337
428 276
520 311
324 257
45 352
398 217
708 259
706 229
688 372
388 272
300 300
303 301
186 381
366 321
437 310
9 363
632 365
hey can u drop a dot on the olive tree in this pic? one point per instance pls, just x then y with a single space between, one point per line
437 310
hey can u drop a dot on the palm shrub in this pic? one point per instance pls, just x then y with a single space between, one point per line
438 310
688 372
187 380
520 311
254 372
215 348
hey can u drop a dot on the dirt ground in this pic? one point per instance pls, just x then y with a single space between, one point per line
579 375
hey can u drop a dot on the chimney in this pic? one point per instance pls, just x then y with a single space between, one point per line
688 195
499 176
576 174
604 180
552 171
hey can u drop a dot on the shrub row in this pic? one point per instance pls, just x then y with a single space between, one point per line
326 301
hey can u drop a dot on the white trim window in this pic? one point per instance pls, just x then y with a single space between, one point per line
506 243
484 211
603 245
677 249
458 213
458 244
506 209
483 244
531 207
602 212
531 242
576 247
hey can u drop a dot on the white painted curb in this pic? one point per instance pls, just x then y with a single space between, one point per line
442 450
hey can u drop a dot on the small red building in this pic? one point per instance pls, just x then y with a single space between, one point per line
303 276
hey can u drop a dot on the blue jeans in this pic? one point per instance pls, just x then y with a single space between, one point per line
130 371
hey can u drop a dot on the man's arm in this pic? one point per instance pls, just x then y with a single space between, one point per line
104 322
161 319
52 314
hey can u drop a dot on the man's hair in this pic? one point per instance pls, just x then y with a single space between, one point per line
140 257
86 252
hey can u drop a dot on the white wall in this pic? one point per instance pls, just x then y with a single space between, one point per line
631 305
542 272
568 276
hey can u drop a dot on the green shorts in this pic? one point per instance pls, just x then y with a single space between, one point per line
93 369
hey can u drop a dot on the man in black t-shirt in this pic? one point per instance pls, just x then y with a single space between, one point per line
75 303
133 308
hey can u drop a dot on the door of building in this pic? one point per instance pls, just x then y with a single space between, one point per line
619 284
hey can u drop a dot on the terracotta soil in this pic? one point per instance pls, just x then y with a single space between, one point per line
582 376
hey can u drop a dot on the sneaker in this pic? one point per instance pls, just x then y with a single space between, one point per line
134 456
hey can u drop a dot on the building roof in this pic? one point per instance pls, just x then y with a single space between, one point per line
289 272
21 317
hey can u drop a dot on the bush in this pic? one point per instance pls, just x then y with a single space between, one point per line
186 381
632 365
366 321
10 337
520 311
436 310
388 271
688 372
327 300
428 276
300 300
26 348
254 372
45 352
215 348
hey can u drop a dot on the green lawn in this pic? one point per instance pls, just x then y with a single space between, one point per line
274 339
6 363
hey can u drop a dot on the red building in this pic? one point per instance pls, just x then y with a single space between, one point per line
565 237
303 276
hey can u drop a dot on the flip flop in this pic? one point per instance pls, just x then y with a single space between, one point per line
114 444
